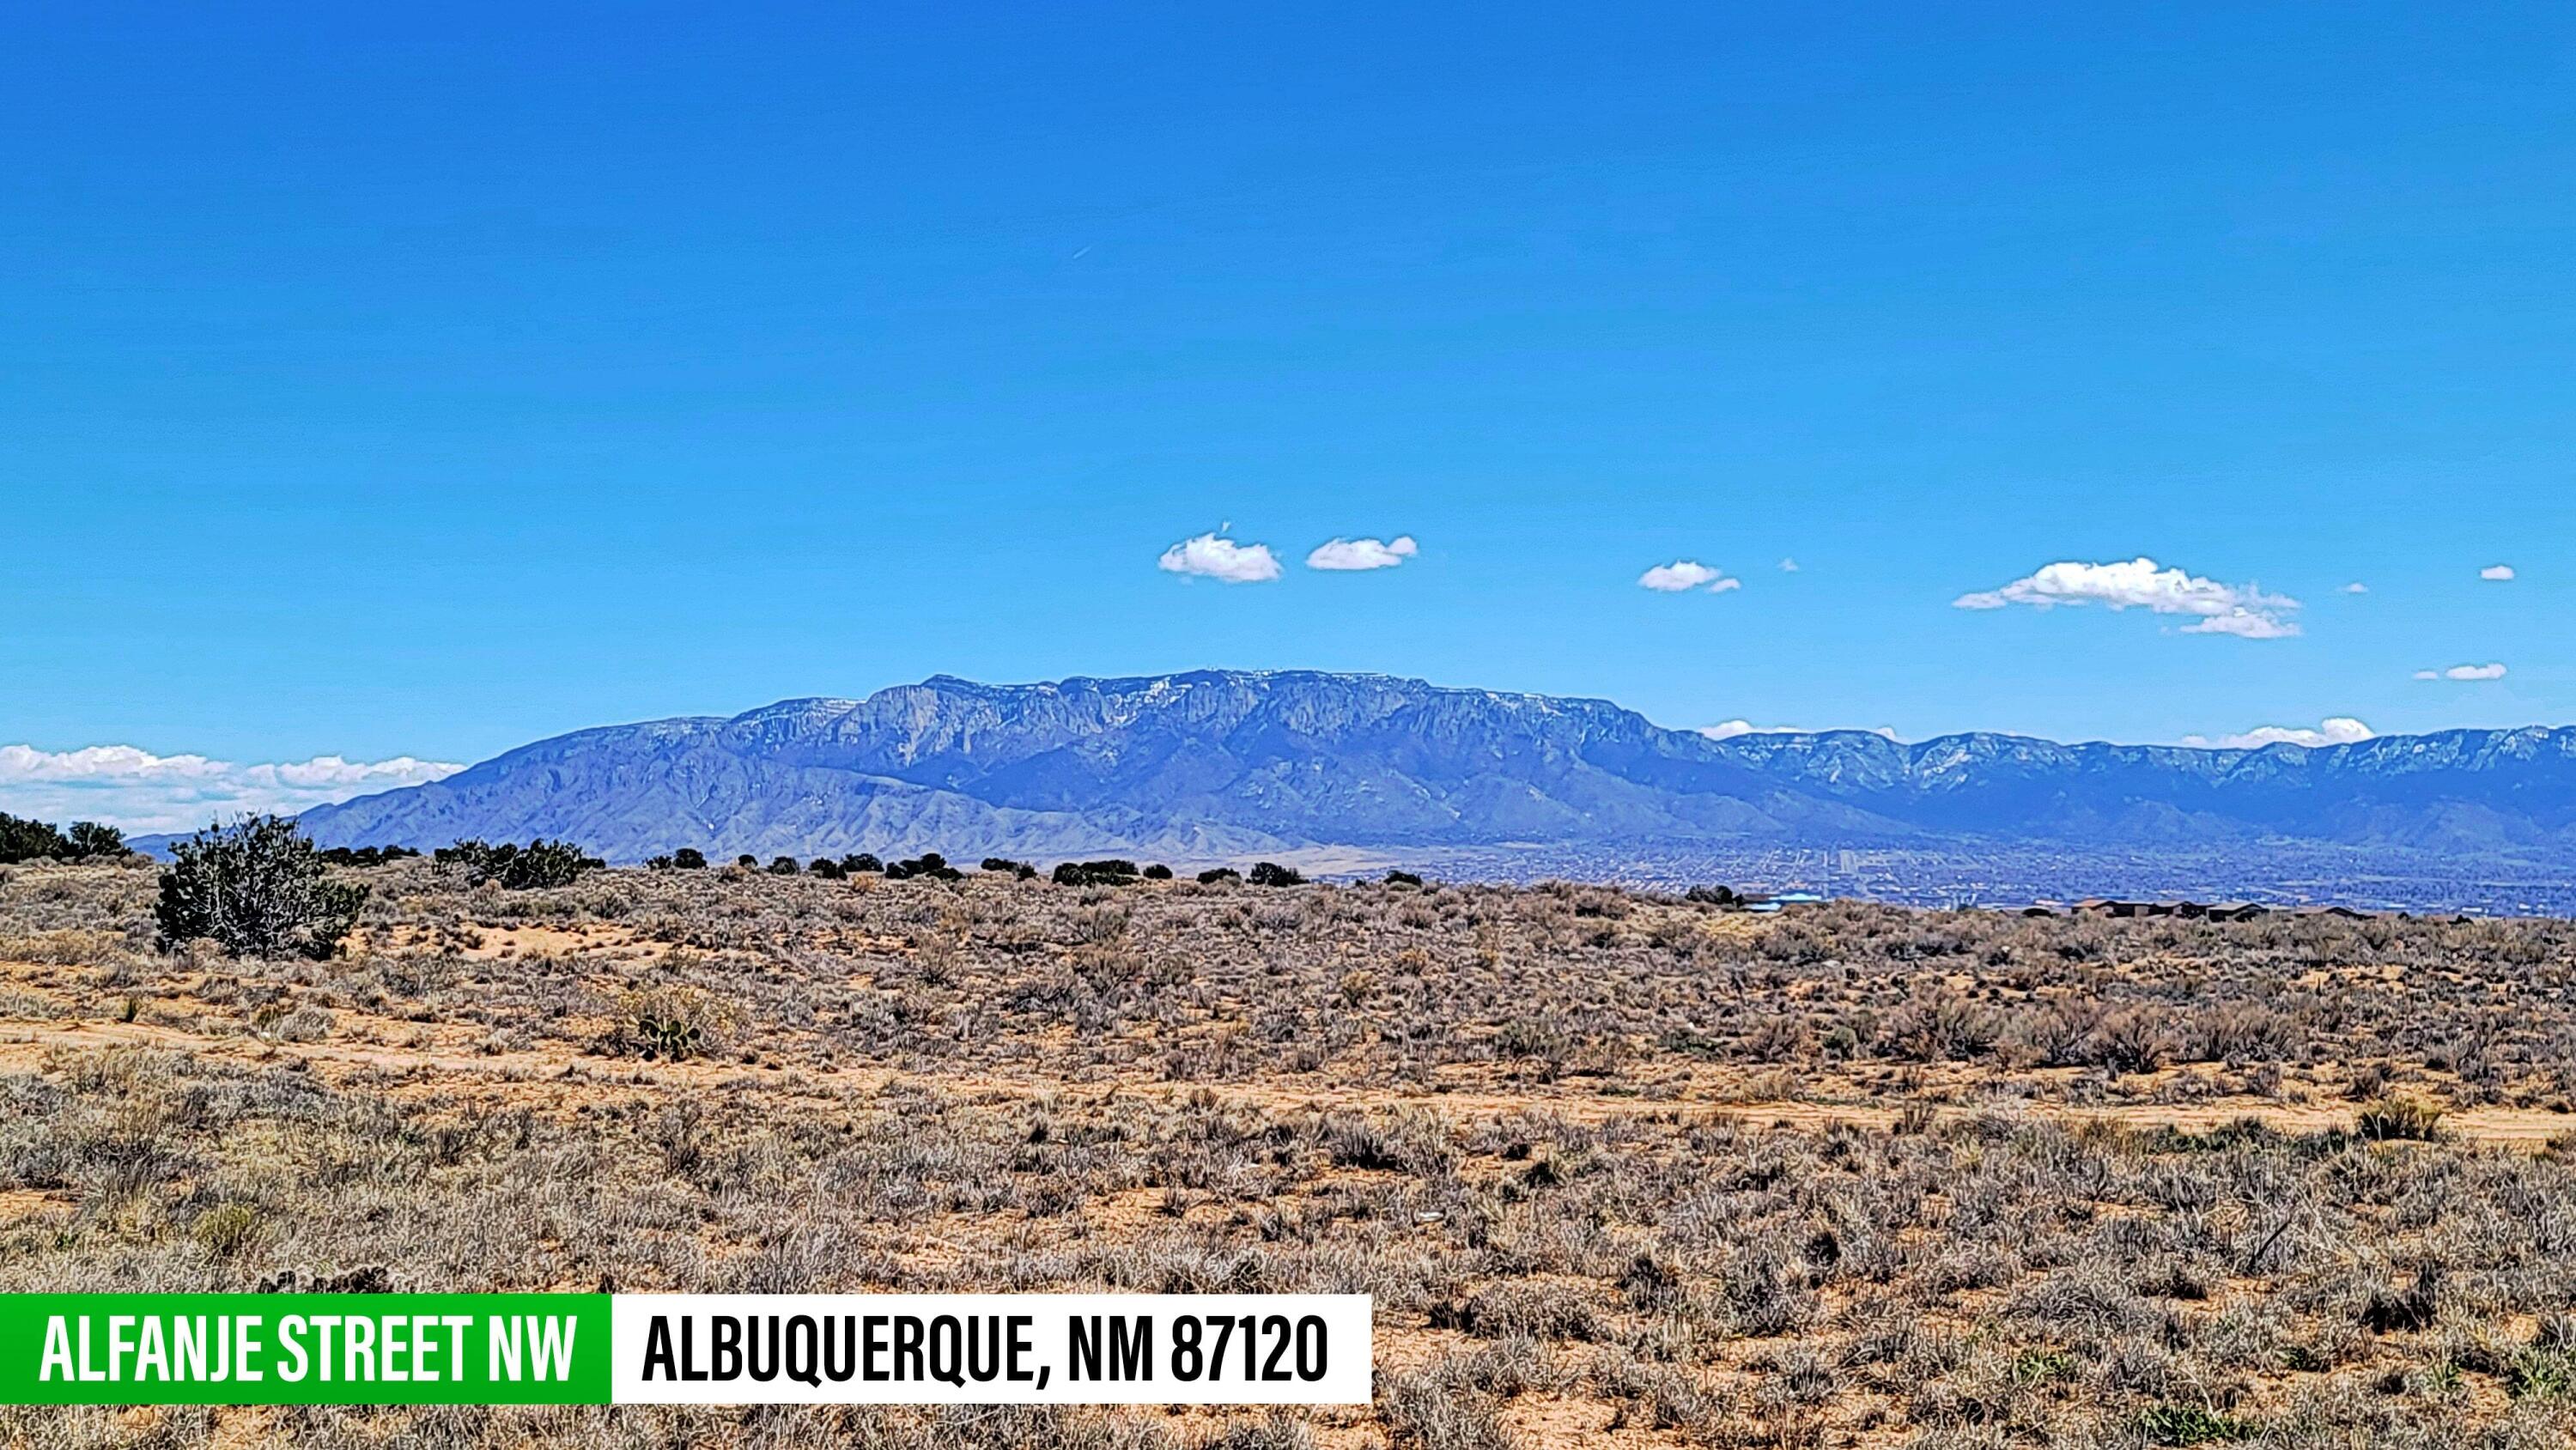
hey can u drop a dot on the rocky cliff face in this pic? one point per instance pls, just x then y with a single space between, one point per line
1217 764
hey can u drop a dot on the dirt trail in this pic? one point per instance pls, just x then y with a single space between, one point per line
543 1074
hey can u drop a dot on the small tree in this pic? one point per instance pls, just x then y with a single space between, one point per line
89 838
257 889
784 866
520 868
928 863
1266 873
1215 874
688 858
862 863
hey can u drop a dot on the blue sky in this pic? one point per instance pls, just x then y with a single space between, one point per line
388 382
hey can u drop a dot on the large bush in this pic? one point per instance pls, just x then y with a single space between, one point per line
258 889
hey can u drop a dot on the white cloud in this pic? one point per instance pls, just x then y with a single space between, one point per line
1347 554
2356 587
2496 573
2245 624
2334 730
1684 575
142 792
1788 566
1729 729
1213 556
2242 610
2463 672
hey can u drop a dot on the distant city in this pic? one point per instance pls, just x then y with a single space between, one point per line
2012 877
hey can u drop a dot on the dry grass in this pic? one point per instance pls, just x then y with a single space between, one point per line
1619 1169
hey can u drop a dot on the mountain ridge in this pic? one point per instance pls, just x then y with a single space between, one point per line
1212 765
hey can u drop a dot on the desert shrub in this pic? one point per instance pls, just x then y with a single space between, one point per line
536 865
257 889
2396 1119
1425 1412
671 1023
1096 873
1004 865
827 868
26 840
2540 1373
365 856
1215 874
2192 1425
2132 1040
1711 895
747 861
1941 1026
687 858
2057 1035
1521 1310
784 866
1158 872
928 864
1402 878
227 1229
2404 1311
1268 873
2242 1032
861 863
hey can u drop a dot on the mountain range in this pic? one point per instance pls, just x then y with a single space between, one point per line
1224 765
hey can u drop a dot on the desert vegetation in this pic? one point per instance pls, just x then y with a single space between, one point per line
1619 1168
22 839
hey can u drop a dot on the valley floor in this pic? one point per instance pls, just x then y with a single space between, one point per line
1619 1169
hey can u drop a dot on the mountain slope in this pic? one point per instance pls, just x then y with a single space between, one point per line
1219 764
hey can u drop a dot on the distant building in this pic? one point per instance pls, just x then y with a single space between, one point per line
1777 900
